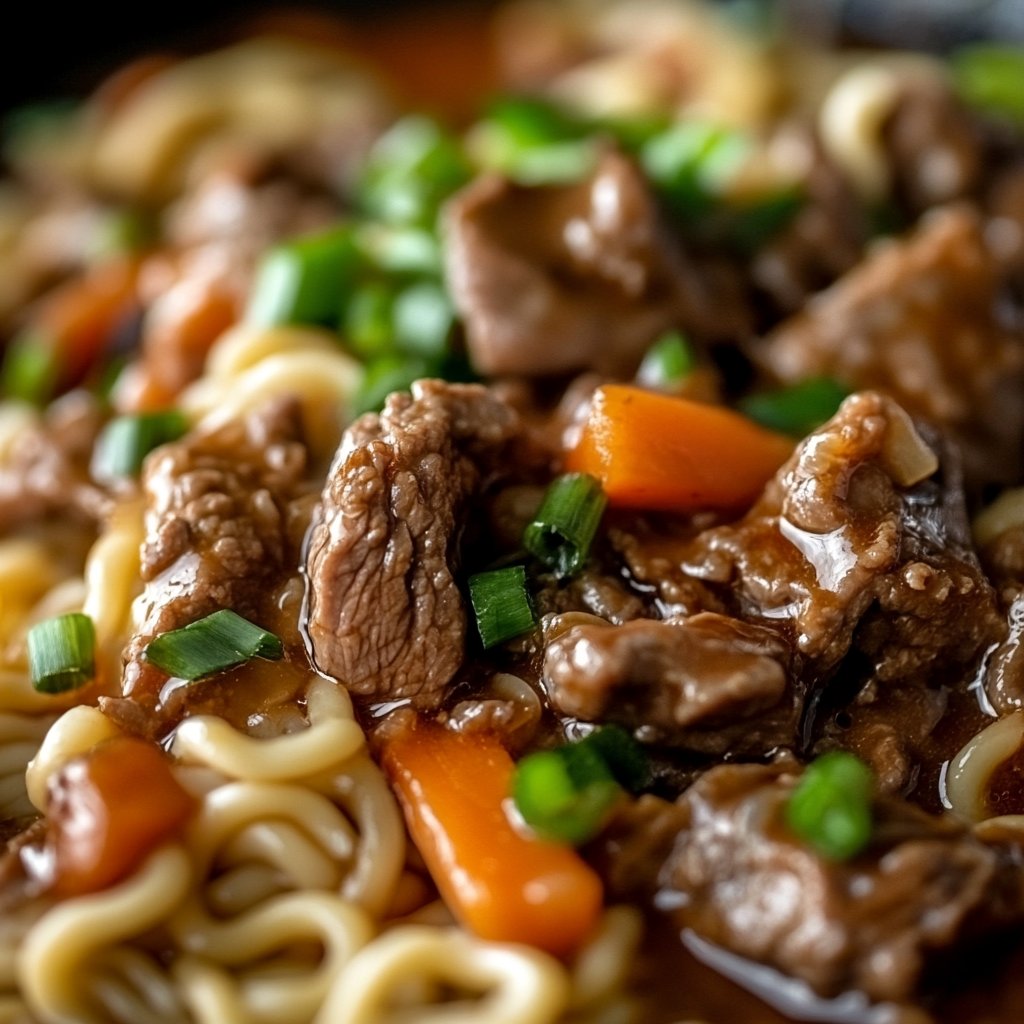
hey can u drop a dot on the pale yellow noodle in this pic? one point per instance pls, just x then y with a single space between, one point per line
54 962
20 739
500 984
967 779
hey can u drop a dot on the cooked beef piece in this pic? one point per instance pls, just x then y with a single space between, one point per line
839 553
46 470
1003 558
707 683
933 144
385 615
917 319
219 531
552 279
741 879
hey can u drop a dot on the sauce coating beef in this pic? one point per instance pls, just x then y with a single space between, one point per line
707 683
386 617
220 529
739 876
552 279
917 319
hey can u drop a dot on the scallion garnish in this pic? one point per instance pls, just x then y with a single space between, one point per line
501 604
61 653
566 522
220 641
565 794
668 362
127 440
302 281
366 322
831 806
423 319
990 77
30 369
799 409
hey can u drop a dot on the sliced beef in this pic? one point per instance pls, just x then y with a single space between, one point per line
1003 557
858 543
707 683
923 887
46 470
219 529
386 617
552 279
918 319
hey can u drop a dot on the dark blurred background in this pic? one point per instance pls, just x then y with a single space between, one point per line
51 50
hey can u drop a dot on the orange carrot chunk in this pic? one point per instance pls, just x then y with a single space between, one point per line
654 451
501 883
109 810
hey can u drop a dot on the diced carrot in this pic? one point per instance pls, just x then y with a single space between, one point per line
654 451
79 317
501 883
109 810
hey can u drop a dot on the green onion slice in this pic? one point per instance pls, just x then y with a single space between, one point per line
668 361
31 369
423 319
990 77
799 409
831 806
61 653
566 522
220 641
565 794
564 798
501 604
127 440
302 281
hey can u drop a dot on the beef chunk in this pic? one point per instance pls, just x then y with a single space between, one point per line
218 530
559 278
917 319
385 615
45 472
844 549
923 886
708 683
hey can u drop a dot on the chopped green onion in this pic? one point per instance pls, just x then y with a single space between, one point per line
750 224
501 604
566 522
31 370
990 77
366 323
564 795
127 440
831 805
302 281
411 170
692 163
217 642
668 362
396 249
799 409
625 757
527 121
423 319
61 653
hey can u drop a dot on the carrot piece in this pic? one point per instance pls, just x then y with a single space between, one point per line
654 451
79 317
501 883
109 810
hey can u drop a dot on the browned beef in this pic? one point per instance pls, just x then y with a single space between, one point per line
843 550
46 472
707 683
745 882
552 279
385 615
934 145
1003 557
218 528
917 319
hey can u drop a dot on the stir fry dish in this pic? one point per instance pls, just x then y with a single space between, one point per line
549 549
